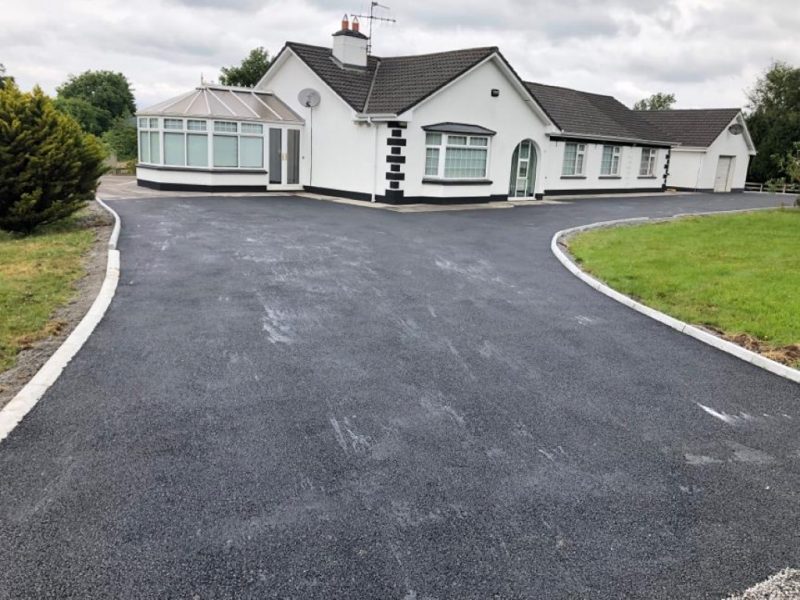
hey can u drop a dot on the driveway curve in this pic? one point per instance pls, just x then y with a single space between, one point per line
290 398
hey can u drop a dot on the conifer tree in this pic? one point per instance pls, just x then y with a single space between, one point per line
49 168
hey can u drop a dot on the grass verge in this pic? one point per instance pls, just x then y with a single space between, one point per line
736 274
37 275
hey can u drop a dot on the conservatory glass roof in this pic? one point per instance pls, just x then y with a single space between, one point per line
222 102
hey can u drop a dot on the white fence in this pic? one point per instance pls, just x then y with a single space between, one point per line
784 188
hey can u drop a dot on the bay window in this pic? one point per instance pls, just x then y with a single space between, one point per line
574 160
452 156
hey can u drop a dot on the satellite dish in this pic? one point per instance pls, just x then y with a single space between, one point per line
309 98
736 129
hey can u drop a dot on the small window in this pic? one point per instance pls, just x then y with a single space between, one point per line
610 162
225 127
196 150
433 139
432 162
647 168
143 123
456 140
574 159
173 123
195 125
252 128
153 123
226 152
478 141
251 152
174 148
155 147
144 146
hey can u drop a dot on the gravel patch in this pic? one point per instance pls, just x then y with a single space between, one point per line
781 586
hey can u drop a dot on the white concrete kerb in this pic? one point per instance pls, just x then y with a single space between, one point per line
19 406
690 330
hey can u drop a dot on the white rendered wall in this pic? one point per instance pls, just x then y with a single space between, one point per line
685 168
630 162
469 100
696 168
726 144
204 178
343 151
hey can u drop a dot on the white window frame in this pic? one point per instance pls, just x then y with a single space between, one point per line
205 127
614 163
647 165
572 170
470 141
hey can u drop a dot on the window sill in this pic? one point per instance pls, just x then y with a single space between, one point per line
242 170
647 177
609 177
573 177
435 181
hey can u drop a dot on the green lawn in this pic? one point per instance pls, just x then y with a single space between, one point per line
738 273
37 274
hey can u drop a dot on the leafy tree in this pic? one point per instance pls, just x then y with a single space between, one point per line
3 77
49 168
249 72
774 120
658 101
92 119
121 139
96 99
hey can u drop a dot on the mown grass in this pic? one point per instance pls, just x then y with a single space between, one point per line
737 273
37 275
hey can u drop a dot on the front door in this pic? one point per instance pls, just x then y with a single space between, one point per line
723 176
523 171
284 158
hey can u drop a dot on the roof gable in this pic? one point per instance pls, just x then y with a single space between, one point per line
402 82
691 127
389 85
593 115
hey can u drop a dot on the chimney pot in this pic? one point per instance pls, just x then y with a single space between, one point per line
345 23
356 24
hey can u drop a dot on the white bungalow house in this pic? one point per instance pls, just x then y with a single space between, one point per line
457 126
713 148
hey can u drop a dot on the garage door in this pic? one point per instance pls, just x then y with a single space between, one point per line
722 180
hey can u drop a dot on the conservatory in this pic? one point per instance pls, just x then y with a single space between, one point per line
218 138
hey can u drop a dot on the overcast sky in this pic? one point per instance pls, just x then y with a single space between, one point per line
707 52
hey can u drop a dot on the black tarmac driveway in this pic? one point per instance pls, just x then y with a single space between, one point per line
290 398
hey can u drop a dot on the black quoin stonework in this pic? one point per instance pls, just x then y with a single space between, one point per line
394 161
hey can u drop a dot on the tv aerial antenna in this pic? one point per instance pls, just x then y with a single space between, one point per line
372 18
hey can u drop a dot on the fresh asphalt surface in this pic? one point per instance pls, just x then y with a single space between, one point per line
290 398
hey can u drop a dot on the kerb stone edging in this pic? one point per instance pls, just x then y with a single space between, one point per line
690 330
19 406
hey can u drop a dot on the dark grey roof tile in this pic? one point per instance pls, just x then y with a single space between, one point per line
691 127
587 114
